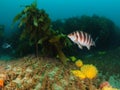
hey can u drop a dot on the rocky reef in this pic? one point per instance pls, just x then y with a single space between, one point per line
30 73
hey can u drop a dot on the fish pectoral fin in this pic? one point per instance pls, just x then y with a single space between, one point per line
80 46
88 47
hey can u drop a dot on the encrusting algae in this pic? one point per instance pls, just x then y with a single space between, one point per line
30 73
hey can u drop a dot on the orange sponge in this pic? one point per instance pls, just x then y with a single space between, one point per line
1 83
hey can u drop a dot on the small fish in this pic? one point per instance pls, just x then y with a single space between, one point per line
82 39
6 45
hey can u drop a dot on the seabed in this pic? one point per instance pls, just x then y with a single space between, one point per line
43 73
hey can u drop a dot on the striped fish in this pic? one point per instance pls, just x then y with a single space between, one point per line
82 39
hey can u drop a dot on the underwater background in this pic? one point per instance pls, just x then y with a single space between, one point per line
37 54
62 9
